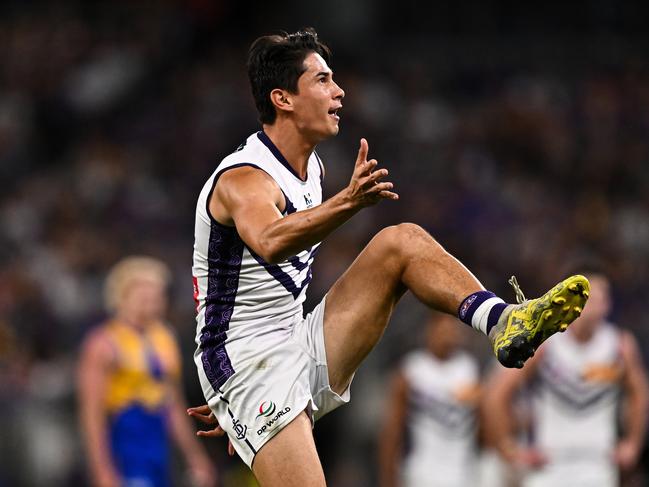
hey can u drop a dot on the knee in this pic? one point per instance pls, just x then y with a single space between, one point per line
405 238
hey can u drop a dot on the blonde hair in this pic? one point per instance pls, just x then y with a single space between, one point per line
122 275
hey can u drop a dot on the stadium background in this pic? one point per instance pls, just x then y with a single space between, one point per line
517 133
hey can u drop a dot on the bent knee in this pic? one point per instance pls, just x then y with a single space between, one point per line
403 236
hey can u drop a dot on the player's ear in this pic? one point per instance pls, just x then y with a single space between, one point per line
282 100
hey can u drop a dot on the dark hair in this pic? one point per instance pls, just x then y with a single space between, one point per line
277 61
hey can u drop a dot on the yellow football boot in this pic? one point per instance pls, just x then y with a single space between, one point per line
524 326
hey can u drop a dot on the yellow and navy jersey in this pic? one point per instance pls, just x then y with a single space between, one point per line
145 363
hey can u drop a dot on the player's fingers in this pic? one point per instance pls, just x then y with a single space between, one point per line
362 152
368 179
204 409
216 432
378 174
389 195
366 168
378 187
198 412
204 418
230 448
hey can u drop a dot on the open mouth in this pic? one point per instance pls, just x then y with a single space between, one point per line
334 113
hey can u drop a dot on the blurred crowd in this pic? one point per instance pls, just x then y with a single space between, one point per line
112 118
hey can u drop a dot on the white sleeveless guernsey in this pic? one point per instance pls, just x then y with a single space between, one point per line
240 298
575 401
441 420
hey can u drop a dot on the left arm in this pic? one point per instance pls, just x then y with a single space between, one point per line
391 444
202 470
636 392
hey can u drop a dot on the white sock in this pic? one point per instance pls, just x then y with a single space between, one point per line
480 318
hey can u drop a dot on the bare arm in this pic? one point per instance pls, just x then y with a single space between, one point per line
497 412
94 363
634 421
391 442
202 469
249 199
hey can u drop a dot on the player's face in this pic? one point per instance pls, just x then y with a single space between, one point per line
316 104
597 307
445 335
145 299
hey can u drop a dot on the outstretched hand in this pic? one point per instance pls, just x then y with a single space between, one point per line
365 187
205 415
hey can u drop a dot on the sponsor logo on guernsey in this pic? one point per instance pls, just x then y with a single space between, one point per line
268 410
602 373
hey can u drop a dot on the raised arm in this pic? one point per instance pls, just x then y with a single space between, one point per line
634 420
391 441
249 199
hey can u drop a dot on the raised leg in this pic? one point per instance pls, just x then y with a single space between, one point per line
358 307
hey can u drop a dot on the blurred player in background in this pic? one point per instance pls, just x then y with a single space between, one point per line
130 397
579 385
267 371
429 438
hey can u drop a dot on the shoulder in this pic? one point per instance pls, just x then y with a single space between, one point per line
610 331
244 171
98 345
633 367
246 181
250 161
628 344
413 363
413 359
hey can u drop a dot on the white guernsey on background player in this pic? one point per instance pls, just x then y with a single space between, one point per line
266 371
578 385
429 434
